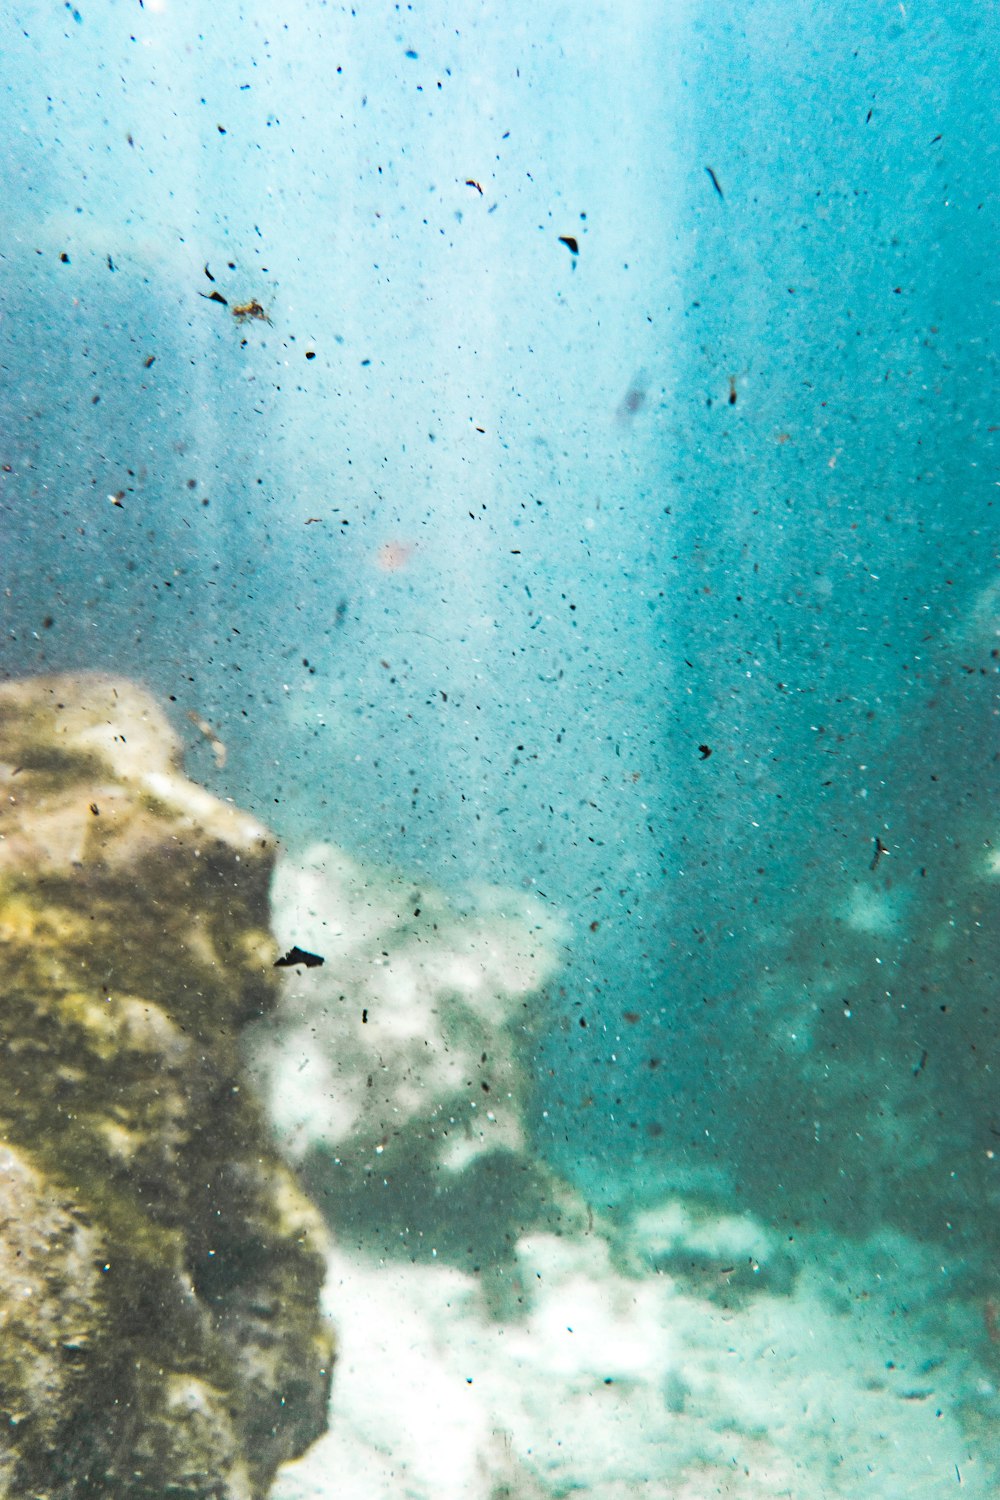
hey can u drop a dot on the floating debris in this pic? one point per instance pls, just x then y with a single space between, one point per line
215 744
242 311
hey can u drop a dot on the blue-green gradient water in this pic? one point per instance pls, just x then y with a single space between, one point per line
601 504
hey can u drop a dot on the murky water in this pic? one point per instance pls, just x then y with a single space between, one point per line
553 452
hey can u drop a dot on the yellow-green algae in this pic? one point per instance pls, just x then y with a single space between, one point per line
160 1269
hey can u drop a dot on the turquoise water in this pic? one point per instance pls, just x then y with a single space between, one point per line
602 505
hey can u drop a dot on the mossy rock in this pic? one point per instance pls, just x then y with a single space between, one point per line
160 1268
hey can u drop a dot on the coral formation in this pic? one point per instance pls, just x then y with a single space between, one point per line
160 1269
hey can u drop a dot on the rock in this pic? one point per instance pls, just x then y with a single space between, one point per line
160 1269
396 1074
726 1256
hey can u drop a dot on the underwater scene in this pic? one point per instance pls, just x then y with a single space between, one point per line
499 748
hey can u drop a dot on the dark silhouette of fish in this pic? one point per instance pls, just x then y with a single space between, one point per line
296 956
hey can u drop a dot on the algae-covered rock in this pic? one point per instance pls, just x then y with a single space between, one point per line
160 1269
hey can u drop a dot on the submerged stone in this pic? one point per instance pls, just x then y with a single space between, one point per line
397 1074
160 1269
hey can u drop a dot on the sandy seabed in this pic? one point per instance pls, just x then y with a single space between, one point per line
676 1352
845 1370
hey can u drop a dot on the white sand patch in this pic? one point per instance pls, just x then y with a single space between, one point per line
868 909
613 1385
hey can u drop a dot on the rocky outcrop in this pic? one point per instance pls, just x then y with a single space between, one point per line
160 1269
396 1073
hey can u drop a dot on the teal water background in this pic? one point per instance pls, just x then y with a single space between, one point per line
474 551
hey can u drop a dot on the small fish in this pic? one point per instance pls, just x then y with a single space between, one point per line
296 956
